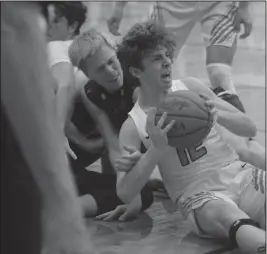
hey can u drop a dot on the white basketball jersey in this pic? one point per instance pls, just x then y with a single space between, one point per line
194 170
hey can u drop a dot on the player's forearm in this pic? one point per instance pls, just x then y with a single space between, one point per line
73 134
238 123
91 145
108 133
135 205
131 183
64 100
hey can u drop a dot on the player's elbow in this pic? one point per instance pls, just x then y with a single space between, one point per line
66 91
248 128
252 129
243 154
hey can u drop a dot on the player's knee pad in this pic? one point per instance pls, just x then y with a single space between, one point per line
237 224
220 75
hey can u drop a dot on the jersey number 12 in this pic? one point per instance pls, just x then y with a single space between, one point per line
187 156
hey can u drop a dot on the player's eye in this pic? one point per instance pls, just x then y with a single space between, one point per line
111 61
157 58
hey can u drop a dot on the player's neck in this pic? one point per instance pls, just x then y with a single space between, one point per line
151 98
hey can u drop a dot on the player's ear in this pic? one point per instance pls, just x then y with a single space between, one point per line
73 27
135 72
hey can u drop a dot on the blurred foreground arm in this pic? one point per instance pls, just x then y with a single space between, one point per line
29 102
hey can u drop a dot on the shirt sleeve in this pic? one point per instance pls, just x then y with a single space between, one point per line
57 53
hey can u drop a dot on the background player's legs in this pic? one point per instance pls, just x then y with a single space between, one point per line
216 217
218 28
178 17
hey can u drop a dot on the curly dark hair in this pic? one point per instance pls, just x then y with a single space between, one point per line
73 11
141 39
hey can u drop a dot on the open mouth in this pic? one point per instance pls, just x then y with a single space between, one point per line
166 76
116 78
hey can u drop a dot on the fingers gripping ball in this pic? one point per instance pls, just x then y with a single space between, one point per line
193 120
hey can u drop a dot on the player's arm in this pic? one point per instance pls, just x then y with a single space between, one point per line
114 21
93 145
228 116
31 113
64 75
104 126
243 17
130 183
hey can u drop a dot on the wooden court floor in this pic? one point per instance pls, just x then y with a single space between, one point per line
161 229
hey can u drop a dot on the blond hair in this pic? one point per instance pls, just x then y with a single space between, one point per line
86 45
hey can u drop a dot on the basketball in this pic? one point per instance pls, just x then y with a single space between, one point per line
193 120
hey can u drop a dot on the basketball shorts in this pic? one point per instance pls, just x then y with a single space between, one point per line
247 191
217 20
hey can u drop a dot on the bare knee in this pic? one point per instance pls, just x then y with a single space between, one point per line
216 217
89 205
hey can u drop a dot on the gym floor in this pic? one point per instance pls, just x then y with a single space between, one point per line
161 229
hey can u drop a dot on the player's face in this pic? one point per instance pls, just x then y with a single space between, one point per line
58 28
104 68
157 69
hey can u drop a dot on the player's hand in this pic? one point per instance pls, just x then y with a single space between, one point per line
69 150
126 162
211 106
243 17
114 22
156 131
121 213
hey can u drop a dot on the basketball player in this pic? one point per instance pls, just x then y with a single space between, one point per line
39 205
101 107
219 195
86 143
64 20
220 22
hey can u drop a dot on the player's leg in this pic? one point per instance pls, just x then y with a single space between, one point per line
178 17
253 195
223 219
220 36
98 193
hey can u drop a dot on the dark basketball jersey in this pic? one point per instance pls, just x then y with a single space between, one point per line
115 105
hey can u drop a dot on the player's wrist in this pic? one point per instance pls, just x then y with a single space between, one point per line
156 151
